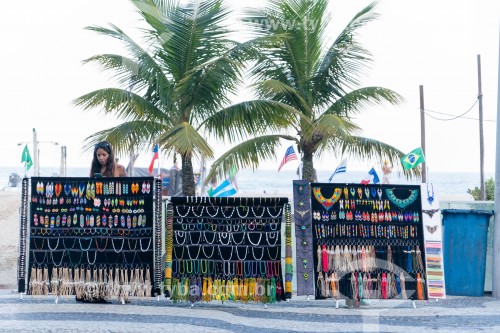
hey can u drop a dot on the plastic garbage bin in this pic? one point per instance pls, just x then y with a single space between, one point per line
464 250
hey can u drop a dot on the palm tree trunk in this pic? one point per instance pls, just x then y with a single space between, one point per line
188 188
308 172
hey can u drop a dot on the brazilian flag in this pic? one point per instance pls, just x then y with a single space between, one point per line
413 158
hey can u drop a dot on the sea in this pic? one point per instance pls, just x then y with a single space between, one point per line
264 182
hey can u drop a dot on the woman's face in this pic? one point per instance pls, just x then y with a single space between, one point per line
102 156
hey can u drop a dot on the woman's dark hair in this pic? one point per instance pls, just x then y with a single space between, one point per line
110 164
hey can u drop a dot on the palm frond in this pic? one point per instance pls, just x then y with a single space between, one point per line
248 154
344 60
361 99
244 119
125 104
370 149
131 135
185 140
277 90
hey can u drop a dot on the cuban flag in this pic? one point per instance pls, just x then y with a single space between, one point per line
371 176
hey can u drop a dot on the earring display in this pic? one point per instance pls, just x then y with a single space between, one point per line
367 241
93 237
227 249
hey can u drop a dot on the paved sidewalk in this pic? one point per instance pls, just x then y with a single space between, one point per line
42 314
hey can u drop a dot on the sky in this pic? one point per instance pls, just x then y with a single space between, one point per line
430 43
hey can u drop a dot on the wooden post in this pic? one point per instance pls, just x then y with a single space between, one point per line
481 138
422 132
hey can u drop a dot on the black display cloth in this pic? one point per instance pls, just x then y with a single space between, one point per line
81 222
355 216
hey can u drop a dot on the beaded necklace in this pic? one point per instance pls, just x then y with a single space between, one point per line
272 235
214 214
224 235
140 244
261 254
113 243
238 254
211 254
328 203
277 253
242 238
230 253
430 194
60 261
250 240
95 258
175 252
402 203
189 253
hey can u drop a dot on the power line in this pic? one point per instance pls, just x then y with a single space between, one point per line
454 117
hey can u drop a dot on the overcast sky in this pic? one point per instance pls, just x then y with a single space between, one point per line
426 42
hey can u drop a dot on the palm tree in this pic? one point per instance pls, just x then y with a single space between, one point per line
315 83
168 92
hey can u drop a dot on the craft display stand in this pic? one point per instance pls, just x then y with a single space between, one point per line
366 242
227 249
91 237
433 240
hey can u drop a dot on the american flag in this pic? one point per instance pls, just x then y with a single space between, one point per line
289 156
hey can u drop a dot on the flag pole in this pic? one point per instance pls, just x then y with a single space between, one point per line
159 167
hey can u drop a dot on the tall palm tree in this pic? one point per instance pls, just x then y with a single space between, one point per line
169 91
316 83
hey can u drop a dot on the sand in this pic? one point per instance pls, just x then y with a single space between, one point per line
10 204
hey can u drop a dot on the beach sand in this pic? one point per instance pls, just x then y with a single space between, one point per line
10 203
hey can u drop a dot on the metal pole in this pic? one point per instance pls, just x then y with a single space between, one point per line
62 169
36 170
481 139
422 132
496 229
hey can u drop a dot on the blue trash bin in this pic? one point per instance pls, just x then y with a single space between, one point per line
464 250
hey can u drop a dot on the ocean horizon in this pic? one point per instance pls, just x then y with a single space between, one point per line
447 185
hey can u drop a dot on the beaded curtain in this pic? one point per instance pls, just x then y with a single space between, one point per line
92 237
227 249
367 241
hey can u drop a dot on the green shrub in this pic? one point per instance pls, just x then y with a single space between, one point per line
489 186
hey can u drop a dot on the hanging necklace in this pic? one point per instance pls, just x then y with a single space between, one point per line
238 253
430 194
211 254
328 202
430 212
261 254
140 244
401 203
234 241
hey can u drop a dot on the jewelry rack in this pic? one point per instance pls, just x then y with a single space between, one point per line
366 241
220 249
92 237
